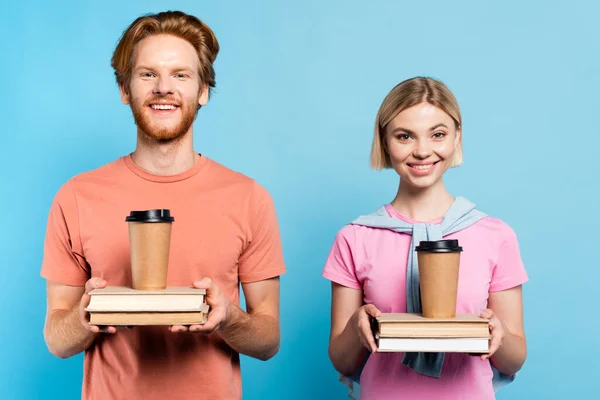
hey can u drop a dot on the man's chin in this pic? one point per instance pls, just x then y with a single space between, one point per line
162 137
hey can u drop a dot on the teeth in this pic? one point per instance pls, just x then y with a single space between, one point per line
422 167
162 107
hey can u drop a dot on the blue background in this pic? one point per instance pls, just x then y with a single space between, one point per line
298 87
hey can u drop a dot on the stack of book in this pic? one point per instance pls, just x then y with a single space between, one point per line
119 305
405 332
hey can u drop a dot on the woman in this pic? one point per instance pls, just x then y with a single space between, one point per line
418 134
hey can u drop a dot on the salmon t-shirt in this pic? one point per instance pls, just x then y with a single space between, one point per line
375 261
225 228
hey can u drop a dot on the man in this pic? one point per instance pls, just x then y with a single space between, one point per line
225 233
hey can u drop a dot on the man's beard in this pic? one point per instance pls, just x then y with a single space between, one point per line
163 134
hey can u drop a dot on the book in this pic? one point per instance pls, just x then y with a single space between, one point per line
444 345
408 325
118 299
149 318
411 332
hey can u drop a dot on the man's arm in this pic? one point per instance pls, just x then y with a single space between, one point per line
64 333
66 330
254 333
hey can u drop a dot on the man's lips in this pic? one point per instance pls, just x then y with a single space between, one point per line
163 105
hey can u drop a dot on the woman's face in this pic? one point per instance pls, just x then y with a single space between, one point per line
421 141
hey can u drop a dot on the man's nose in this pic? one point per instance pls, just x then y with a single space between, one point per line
163 86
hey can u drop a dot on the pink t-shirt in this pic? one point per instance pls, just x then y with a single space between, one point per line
375 260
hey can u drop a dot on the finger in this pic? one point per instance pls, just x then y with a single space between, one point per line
372 310
363 340
212 323
103 329
492 350
179 328
94 283
83 303
371 341
204 283
85 299
495 342
487 313
365 331
203 328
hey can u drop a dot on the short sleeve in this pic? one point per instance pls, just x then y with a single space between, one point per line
63 259
340 267
262 258
509 270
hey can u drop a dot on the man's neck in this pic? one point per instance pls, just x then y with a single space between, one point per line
423 205
165 158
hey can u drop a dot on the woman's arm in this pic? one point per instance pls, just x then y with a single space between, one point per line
350 329
508 330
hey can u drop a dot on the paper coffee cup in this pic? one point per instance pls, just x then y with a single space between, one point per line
149 243
439 263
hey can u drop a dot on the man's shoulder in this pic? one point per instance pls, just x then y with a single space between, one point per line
102 173
101 176
230 177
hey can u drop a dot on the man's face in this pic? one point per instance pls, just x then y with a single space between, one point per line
165 90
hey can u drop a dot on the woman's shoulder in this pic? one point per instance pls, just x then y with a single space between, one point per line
351 232
358 234
496 227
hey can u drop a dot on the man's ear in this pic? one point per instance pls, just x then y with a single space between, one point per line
124 90
203 96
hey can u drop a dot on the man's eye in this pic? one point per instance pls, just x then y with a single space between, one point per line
147 75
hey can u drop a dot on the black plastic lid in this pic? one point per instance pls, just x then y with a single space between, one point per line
150 216
439 246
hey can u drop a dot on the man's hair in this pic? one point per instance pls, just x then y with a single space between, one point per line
407 94
175 23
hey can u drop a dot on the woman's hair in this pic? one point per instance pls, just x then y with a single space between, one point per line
407 94
175 23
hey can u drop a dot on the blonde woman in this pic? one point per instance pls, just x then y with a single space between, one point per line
372 268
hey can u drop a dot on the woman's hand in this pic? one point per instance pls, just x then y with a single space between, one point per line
362 319
497 330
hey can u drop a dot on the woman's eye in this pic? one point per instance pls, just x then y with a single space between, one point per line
439 135
403 136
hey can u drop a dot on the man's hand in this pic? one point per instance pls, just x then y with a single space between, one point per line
84 316
218 313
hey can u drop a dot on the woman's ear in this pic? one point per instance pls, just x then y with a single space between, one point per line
457 138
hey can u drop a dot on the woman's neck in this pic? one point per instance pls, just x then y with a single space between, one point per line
422 204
